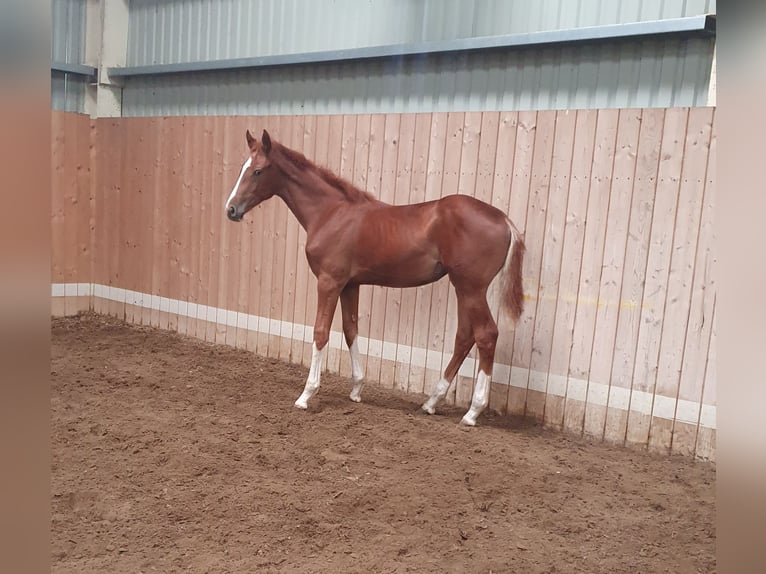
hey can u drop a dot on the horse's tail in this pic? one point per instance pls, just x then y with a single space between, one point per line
513 290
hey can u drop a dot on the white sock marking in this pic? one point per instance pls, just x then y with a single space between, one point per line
247 164
357 374
312 382
480 399
438 394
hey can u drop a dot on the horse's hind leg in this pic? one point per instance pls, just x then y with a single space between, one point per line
485 334
349 306
463 342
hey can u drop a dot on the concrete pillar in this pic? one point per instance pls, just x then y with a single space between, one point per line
104 50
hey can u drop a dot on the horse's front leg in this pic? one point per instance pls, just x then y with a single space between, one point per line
349 306
327 299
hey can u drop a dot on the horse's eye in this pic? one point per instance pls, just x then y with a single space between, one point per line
257 172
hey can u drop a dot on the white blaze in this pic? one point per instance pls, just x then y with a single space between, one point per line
247 164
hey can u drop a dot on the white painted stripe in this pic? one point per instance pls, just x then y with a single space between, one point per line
619 398
641 402
687 411
557 385
664 407
247 164
577 389
708 416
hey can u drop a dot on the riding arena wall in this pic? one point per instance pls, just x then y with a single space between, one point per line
617 339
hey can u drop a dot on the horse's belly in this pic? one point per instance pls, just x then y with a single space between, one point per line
413 271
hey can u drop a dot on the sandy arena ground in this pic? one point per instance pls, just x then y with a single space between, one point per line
173 455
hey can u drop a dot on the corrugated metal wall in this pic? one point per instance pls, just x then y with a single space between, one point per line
68 46
649 73
163 31
656 73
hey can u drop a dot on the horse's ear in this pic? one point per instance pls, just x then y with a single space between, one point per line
250 139
266 142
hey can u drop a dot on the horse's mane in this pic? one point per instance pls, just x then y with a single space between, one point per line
295 165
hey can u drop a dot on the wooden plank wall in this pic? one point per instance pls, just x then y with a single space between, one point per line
617 206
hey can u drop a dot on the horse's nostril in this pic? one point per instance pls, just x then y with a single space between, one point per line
232 212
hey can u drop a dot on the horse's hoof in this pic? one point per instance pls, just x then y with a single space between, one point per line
355 398
301 405
427 409
468 421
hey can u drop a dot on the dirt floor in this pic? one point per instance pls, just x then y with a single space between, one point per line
172 455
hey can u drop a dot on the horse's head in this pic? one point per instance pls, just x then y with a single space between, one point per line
256 181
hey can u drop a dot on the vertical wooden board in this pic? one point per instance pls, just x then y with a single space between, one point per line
131 206
84 202
265 236
218 259
239 280
537 210
439 290
293 134
113 165
360 179
231 233
185 216
378 294
422 306
161 236
206 161
609 300
462 388
196 144
633 273
697 344
291 287
526 129
149 135
173 190
552 243
501 198
656 279
98 241
680 278
305 287
346 171
281 214
392 296
406 297
70 212
590 272
335 161
705 446
569 277
99 185
58 182
450 186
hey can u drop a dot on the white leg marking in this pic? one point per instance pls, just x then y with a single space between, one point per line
480 399
236 185
357 374
439 392
312 382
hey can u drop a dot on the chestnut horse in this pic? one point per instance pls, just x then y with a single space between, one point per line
353 239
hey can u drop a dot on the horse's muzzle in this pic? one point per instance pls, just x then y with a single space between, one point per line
234 214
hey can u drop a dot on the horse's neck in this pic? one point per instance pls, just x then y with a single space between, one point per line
308 202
